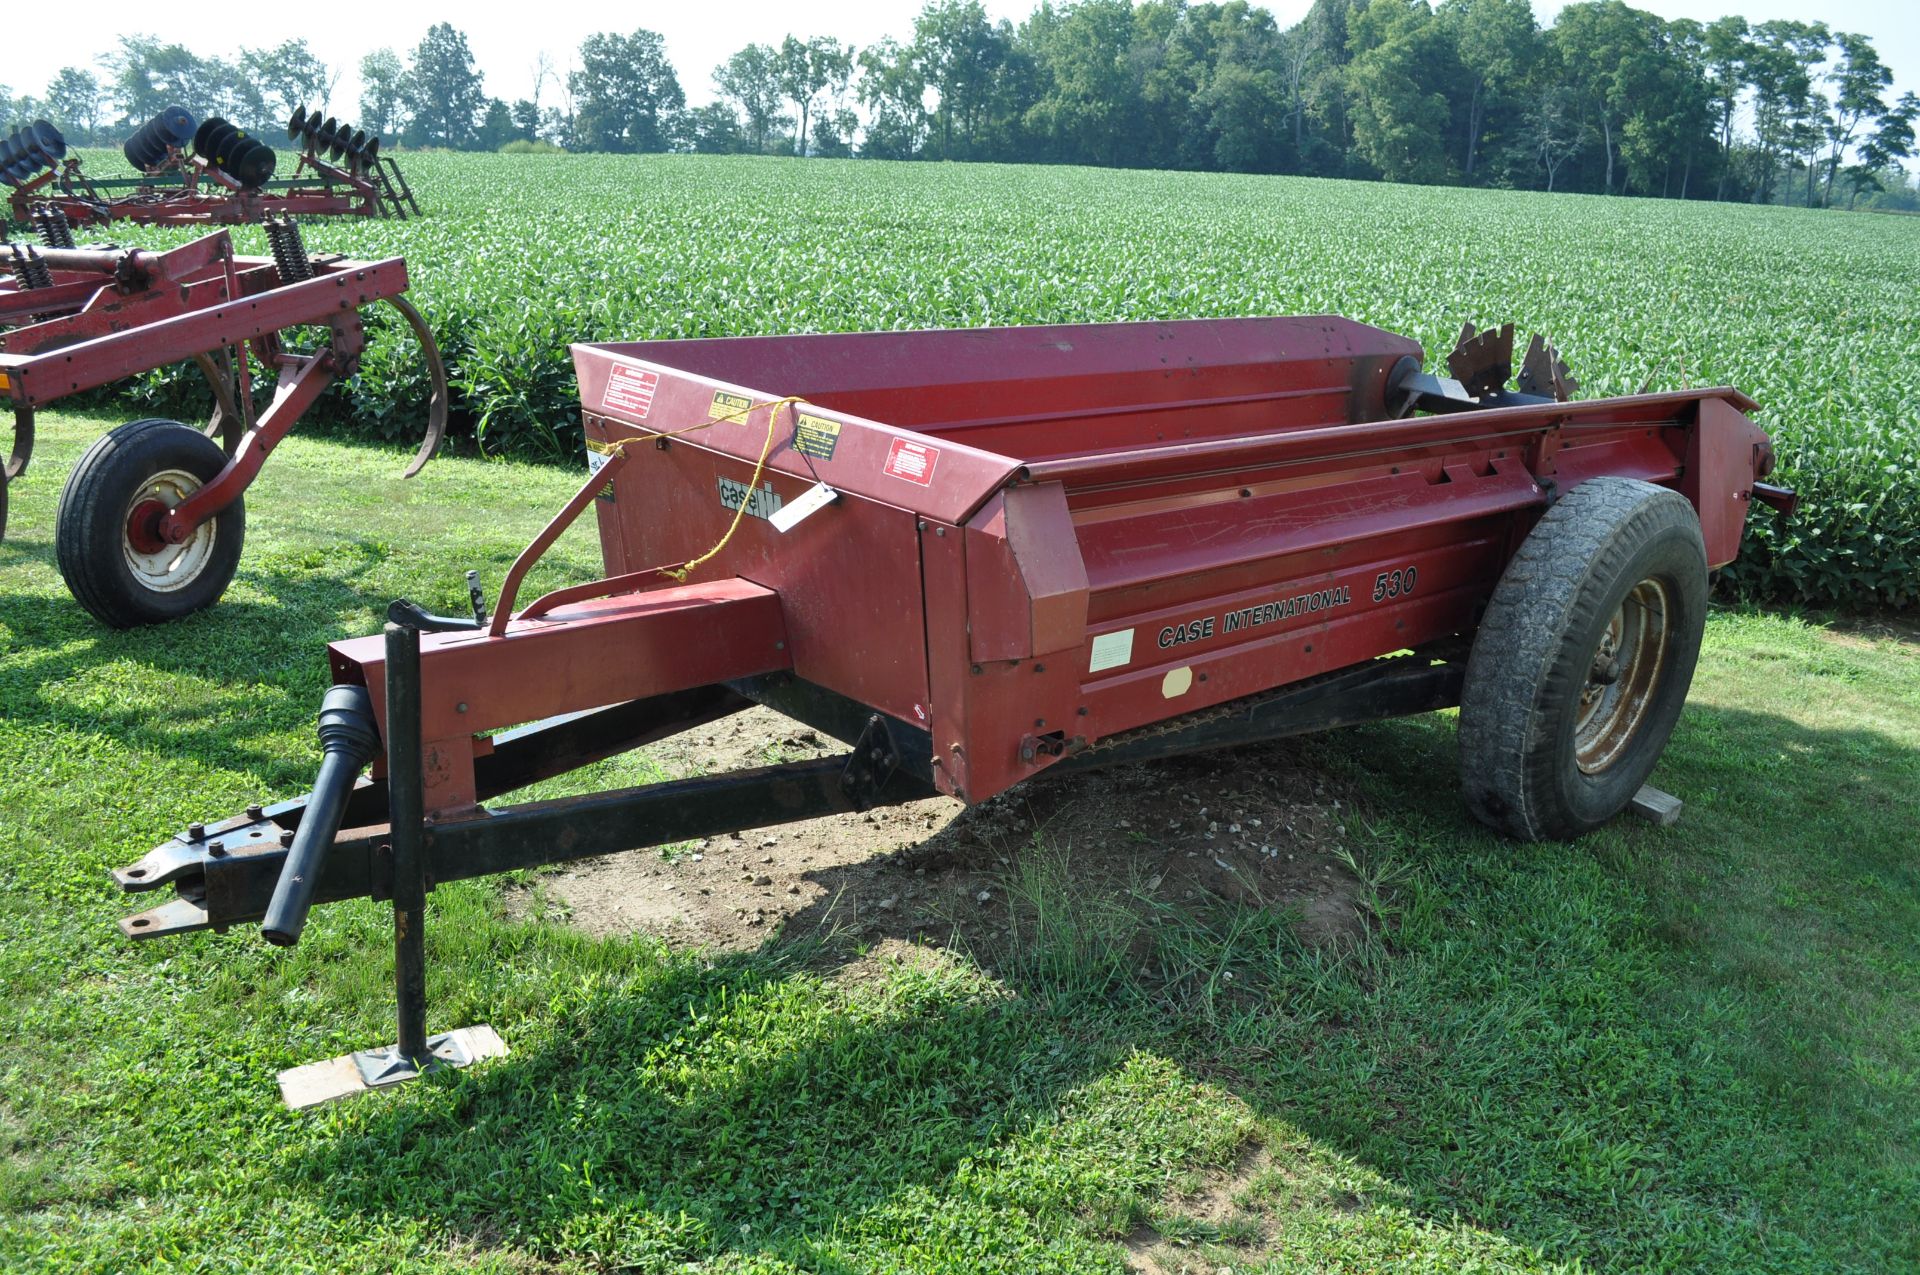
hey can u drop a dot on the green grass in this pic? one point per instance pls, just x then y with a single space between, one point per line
1810 312
1686 1049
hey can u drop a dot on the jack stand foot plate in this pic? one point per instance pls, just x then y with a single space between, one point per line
314 1083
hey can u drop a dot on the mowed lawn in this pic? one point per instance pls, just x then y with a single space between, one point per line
1695 1048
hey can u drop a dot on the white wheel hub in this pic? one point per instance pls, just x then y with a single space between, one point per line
169 567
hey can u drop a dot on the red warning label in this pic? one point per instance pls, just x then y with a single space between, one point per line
630 390
912 461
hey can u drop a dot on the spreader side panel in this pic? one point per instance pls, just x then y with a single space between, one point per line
936 478
1725 453
1193 604
848 576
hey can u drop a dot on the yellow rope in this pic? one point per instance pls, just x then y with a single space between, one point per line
685 569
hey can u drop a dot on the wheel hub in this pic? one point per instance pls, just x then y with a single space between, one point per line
155 564
143 527
1622 676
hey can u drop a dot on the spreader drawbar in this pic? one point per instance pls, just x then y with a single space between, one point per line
296 855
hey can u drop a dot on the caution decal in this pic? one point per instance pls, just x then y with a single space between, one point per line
816 436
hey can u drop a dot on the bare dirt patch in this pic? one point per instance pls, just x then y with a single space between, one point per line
1868 631
1251 826
1211 1214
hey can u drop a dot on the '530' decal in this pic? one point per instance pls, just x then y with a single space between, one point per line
1391 584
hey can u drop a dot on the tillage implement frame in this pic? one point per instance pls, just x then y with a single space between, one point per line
151 518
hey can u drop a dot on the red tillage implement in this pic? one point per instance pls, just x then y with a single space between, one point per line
206 172
976 556
151 519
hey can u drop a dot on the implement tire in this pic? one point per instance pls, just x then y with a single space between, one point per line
112 564
1582 662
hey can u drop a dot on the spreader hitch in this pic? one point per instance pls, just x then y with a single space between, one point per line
349 738
413 615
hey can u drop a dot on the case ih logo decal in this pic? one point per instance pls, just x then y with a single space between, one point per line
761 502
630 390
912 461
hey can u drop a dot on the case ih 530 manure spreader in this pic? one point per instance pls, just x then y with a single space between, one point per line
980 556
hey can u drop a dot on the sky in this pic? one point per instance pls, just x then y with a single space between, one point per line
507 39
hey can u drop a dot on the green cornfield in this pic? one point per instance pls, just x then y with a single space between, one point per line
1813 313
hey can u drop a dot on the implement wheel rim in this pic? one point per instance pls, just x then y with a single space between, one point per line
1622 676
155 564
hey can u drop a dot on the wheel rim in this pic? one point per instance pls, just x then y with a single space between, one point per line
155 564
1623 675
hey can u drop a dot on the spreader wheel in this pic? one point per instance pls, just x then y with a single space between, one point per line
114 562
1583 660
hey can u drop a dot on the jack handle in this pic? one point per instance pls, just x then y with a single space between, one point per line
349 738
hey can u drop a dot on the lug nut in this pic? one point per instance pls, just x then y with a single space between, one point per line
286 836
217 848
255 813
195 831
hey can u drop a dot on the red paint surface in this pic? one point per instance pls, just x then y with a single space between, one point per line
587 655
1232 491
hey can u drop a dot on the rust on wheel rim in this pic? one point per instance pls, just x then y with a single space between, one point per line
1623 676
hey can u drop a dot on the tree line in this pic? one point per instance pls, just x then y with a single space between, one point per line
1609 99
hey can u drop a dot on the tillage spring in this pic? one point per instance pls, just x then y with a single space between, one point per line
51 224
29 269
289 249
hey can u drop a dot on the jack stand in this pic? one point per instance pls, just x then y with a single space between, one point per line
315 1083
388 1066
415 1054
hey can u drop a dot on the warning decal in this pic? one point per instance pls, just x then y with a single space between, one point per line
912 461
598 454
730 407
816 437
630 390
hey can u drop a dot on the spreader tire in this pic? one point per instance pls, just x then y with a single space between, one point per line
1583 660
121 576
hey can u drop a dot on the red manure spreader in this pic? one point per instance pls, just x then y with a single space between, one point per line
981 556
